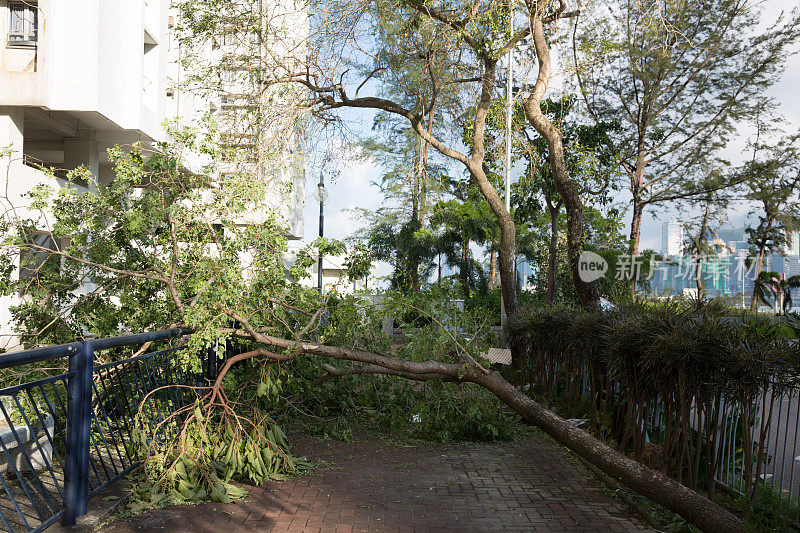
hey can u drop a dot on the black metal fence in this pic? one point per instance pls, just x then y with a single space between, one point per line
773 426
66 437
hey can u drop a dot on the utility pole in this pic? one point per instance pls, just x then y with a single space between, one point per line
509 113
321 195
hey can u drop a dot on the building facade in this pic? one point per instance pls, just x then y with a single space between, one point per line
672 237
78 77
728 272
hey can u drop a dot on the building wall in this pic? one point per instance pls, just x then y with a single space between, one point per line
102 73
91 60
672 236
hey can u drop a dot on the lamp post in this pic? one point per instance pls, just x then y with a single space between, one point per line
320 195
509 113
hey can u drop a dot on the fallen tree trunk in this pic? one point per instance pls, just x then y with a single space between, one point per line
690 505
693 507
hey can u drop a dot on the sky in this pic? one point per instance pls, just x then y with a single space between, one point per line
350 180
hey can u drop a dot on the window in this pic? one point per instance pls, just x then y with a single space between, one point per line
38 257
22 29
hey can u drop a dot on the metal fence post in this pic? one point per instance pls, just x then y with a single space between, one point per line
79 416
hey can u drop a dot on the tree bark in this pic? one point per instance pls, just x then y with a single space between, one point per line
636 227
464 270
552 251
636 232
493 263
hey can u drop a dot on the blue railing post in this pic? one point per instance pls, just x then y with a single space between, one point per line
79 416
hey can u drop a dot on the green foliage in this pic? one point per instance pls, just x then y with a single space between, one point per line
432 328
771 510
161 248
196 452
775 289
771 181
445 412
685 361
435 411
462 221
538 207
207 454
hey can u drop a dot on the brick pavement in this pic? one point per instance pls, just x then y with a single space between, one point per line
374 484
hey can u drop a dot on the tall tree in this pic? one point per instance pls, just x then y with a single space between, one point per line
771 181
777 287
412 182
414 179
587 158
678 77
699 233
478 35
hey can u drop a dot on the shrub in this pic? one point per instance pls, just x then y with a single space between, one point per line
662 373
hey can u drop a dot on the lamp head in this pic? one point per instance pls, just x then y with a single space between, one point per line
321 194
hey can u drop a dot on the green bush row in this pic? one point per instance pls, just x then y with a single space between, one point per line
662 379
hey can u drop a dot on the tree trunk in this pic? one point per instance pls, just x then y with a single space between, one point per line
586 292
762 248
493 264
698 280
464 270
423 199
693 507
552 252
636 227
412 263
636 231
759 266
700 240
507 242
415 190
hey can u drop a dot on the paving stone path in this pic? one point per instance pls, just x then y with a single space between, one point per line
375 484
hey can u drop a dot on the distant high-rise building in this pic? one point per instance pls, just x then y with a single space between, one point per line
792 246
672 238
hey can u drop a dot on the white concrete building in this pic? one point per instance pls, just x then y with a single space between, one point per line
261 126
792 245
334 276
76 78
80 76
672 236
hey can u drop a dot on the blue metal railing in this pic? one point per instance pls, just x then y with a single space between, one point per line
66 437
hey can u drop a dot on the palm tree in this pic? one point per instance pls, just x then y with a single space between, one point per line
778 287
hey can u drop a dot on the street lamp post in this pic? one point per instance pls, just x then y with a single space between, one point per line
320 195
509 113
